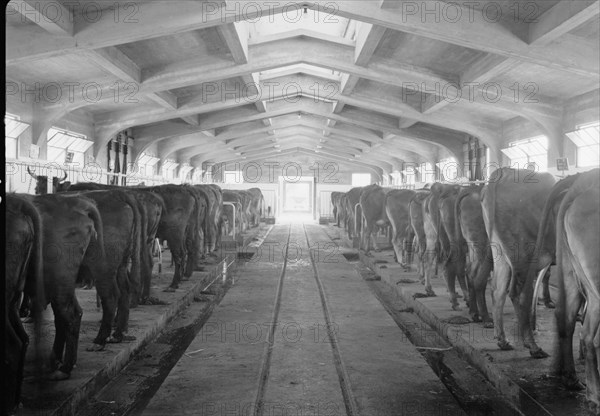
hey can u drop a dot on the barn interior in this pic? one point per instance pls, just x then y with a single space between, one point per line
301 99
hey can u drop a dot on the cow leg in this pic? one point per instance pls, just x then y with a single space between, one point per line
17 341
58 347
146 273
501 281
481 276
122 307
106 290
430 263
522 305
366 237
591 338
69 314
450 278
546 291
178 254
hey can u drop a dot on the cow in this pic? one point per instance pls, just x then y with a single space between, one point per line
372 204
122 231
335 203
512 204
151 207
41 186
569 235
214 208
257 205
173 226
450 252
352 199
472 236
69 224
218 215
195 231
342 212
397 204
417 224
23 266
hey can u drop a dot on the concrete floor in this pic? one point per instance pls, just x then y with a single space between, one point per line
366 367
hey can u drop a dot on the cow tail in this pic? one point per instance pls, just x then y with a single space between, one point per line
94 214
136 248
35 280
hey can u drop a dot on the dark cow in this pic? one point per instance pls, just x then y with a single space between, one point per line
122 231
569 234
195 232
151 207
218 215
174 224
256 208
41 186
335 203
451 254
512 204
352 216
397 205
70 224
23 263
417 224
372 204
471 235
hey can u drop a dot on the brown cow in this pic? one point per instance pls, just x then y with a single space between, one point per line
512 204
69 224
417 224
451 254
372 204
575 203
23 264
471 235
397 206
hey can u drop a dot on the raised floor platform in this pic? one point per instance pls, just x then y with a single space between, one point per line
524 380
94 369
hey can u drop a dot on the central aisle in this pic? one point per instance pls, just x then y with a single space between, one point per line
242 364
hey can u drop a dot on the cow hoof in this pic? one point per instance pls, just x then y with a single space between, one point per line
128 338
549 305
539 353
169 289
429 291
115 339
488 324
58 375
571 382
505 345
95 347
476 318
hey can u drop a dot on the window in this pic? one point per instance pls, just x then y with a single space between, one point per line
586 138
233 176
146 165
65 147
168 169
14 128
361 179
522 153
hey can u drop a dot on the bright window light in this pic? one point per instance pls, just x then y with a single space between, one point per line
587 140
534 150
67 147
361 179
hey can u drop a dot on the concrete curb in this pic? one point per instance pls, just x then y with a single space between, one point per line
482 362
116 364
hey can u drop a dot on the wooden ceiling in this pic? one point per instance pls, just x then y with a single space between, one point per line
373 83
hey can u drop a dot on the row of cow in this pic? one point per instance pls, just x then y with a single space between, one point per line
511 230
105 234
